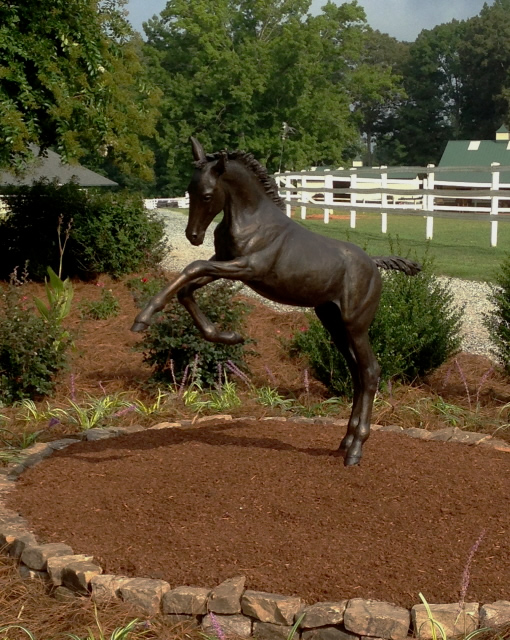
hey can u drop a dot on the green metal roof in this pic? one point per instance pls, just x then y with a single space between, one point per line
481 154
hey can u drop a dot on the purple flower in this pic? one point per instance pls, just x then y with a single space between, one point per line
216 626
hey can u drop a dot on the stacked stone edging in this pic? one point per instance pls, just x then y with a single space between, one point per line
229 608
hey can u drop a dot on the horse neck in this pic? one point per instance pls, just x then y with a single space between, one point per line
245 195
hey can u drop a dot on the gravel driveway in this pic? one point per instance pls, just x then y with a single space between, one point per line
473 295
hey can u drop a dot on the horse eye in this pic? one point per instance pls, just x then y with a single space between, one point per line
207 196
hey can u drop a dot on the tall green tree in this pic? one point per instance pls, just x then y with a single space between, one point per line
485 59
416 130
259 75
71 78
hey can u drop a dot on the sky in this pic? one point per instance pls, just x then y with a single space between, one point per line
402 19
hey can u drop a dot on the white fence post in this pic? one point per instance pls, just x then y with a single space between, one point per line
384 201
354 182
494 203
328 196
288 185
303 198
429 199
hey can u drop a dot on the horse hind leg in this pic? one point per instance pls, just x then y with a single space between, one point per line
331 318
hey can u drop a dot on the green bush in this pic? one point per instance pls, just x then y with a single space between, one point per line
497 321
108 232
32 348
415 330
175 347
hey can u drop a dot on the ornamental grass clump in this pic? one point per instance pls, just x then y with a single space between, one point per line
173 345
416 329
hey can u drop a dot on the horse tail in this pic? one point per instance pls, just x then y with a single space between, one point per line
409 267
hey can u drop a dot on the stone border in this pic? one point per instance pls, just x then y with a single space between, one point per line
229 608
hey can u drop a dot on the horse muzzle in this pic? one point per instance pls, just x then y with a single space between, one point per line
195 238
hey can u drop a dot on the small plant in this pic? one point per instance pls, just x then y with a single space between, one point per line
173 343
32 348
60 295
106 307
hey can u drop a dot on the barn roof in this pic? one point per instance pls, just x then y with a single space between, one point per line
475 153
50 167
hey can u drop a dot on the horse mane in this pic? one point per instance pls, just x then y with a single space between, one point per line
258 170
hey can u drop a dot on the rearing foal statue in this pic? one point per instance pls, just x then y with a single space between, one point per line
259 245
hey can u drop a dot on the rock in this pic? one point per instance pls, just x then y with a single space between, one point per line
468 437
186 600
271 607
226 597
495 614
34 454
268 631
144 593
374 618
454 620
218 625
56 565
328 633
36 556
186 623
165 425
29 574
63 594
77 575
323 614
131 428
18 542
105 588
444 435
211 418
98 434
56 445
416 432
392 428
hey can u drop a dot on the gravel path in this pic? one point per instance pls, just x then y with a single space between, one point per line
472 295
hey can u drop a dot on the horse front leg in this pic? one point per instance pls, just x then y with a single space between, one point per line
196 275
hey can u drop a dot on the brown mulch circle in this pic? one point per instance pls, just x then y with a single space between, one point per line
266 499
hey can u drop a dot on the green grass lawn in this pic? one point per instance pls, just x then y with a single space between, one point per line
459 249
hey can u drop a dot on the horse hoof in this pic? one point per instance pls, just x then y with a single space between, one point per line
139 326
352 461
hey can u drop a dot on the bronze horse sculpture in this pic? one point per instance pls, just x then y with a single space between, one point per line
259 245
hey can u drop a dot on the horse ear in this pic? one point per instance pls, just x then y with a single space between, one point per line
197 149
221 166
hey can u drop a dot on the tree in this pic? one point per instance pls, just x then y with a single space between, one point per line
71 78
416 131
234 71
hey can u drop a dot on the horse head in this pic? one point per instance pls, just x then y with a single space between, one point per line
206 194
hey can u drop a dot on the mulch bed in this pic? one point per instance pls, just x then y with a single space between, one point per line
268 500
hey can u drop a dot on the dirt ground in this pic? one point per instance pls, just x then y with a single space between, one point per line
267 499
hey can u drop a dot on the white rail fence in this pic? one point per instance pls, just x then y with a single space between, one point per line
167 203
410 191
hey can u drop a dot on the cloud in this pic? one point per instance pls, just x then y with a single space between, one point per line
404 19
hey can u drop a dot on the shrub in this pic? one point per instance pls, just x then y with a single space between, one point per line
32 348
415 330
497 321
109 232
175 347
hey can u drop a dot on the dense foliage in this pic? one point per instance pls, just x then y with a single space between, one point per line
32 348
93 232
72 77
174 346
498 320
415 330
266 77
